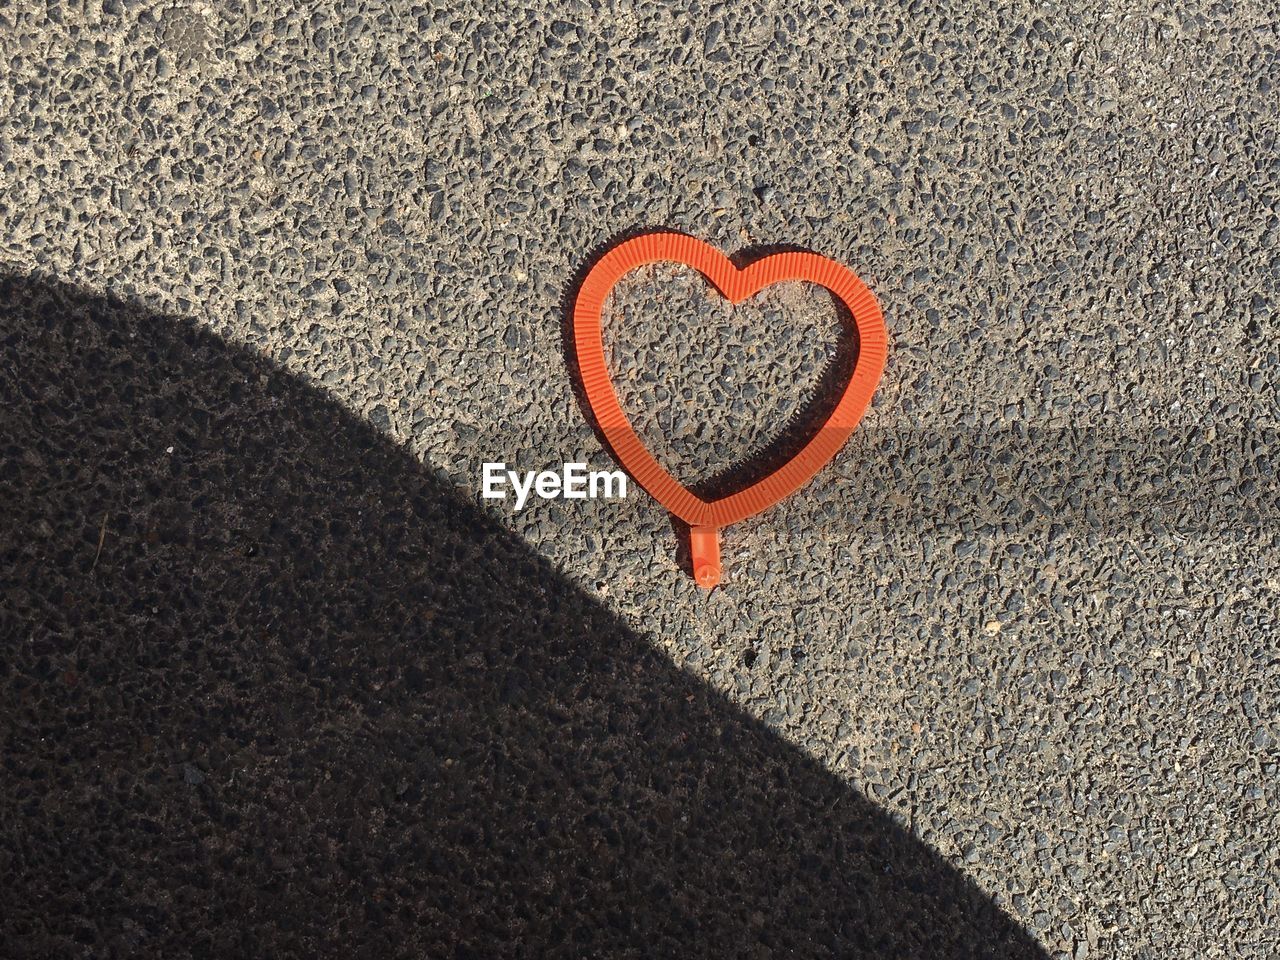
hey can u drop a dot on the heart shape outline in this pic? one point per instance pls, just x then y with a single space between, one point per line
735 284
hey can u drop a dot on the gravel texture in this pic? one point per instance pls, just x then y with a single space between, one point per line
1003 680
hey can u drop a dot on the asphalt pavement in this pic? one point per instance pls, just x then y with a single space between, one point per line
1003 680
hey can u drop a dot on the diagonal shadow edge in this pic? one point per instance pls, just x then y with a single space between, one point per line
282 689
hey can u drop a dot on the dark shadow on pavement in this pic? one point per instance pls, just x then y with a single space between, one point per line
269 688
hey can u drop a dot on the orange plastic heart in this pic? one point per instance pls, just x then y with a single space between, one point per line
705 518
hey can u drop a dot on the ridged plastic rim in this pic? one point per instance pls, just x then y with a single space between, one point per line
735 284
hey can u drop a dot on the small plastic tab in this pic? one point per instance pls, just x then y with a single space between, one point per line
704 549
705 518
